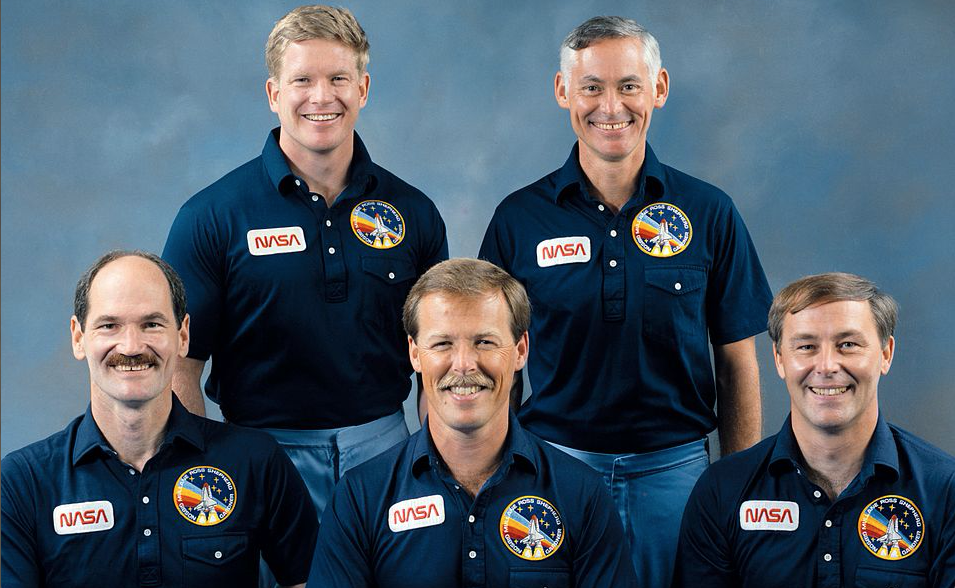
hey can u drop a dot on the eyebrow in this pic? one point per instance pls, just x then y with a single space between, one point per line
153 316
839 335
599 80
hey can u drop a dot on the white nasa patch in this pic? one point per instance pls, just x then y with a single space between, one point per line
769 515
272 241
83 517
415 513
563 250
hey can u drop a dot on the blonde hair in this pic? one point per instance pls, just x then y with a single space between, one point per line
315 22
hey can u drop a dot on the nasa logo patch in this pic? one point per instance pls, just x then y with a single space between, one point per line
83 517
204 495
662 230
531 528
415 513
377 224
891 527
769 515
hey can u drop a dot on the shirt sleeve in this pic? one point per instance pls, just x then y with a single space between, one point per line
436 249
942 571
292 522
194 250
18 548
738 296
703 558
492 248
602 556
342 554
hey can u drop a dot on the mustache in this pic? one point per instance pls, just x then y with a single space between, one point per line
475 379
121 360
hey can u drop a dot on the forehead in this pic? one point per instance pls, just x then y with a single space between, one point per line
831 318
324 53
129 284
622 57
449 313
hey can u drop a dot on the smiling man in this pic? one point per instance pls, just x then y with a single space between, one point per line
297 263
634 270
138 491
838 497
471 499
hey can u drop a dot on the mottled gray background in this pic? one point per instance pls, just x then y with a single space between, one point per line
830 124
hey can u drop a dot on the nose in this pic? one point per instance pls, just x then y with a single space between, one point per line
827 361
131 342
464 360
321 92
610 102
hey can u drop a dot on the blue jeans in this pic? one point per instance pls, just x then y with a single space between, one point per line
650 491
323 455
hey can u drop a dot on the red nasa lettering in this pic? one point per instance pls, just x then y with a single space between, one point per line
265 242
86 517
769 515
565 250
417 513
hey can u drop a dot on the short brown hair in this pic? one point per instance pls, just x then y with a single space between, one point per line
315 22
833 287
469 277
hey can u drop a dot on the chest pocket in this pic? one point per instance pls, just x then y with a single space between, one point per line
673 302
218 560
386 283
871 577
540 578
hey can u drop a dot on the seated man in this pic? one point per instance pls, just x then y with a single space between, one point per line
838 497
138 490
471 499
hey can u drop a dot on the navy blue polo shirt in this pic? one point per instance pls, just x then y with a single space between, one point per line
299 304
755 519
205 506
543 519
625 306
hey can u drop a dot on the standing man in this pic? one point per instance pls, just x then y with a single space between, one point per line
138 491
471 499
297 264
838 497
633 269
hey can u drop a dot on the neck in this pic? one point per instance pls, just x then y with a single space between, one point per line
134 432
472 457
326 173
833 459
612 182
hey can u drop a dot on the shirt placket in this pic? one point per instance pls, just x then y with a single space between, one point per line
335 278
143 487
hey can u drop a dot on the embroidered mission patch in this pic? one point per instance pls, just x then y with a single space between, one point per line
662 230
204 495
891 527
531 528
377 224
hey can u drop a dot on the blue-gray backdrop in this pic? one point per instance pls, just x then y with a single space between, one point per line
830 124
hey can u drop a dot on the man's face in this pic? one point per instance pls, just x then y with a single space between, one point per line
831 359
317 96
611 98
130 339
467 357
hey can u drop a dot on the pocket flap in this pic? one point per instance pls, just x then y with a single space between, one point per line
872 577
677 279
391 271
215 549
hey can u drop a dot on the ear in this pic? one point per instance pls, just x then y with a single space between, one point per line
888 352
184 337
272 91
523 347
413 354
363 84
662 88
779 363
76 338
560 91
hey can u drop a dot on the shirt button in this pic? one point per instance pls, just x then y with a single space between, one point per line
828 523
600 207
147 532
827 557
817 494
132 472
328 223
391 275
218 555
470 518
314 197
456 487
331 251
298 182
678 286
472 554
145 500
613 232
613 263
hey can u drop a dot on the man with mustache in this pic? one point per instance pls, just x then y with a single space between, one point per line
838 497
471 499
138 491
635 270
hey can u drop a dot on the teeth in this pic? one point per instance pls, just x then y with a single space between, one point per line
133 368
321 116
464 390
829 391
611 126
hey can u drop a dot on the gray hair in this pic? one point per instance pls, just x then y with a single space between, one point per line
81 299
469 277
609 27
833 287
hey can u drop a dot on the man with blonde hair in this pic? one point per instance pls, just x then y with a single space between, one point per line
838 497
297 263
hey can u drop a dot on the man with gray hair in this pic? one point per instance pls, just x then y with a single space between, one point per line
634 270
471 499
838 497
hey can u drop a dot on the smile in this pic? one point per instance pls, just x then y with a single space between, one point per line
321 117
612 126
829 391
464 390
